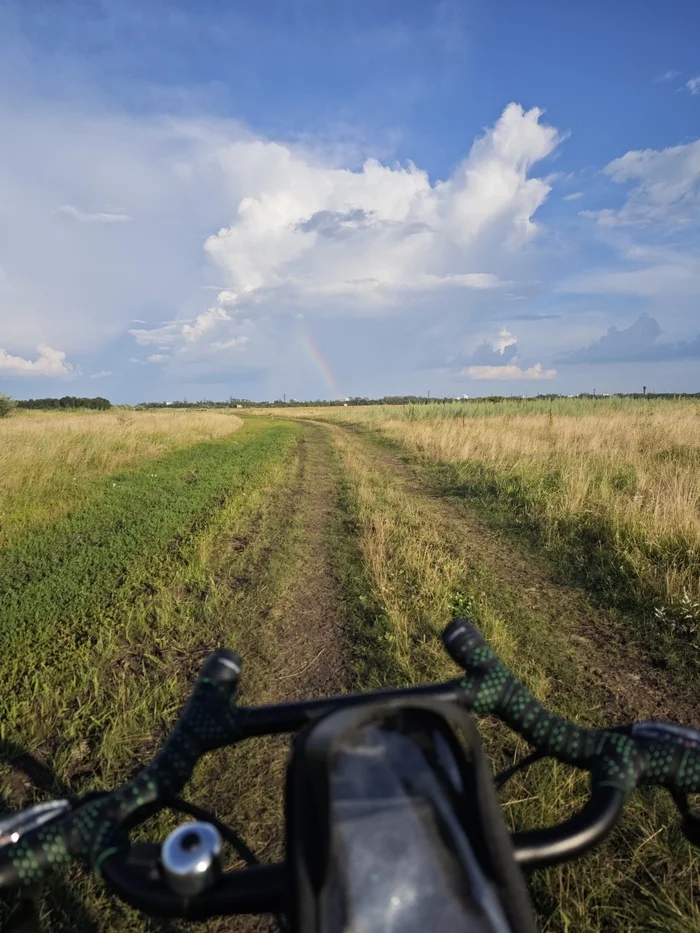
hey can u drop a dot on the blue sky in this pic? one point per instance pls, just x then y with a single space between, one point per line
348 198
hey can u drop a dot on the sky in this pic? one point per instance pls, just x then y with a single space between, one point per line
351 198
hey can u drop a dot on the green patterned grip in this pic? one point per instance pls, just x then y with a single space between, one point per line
647 753
613 758
97 829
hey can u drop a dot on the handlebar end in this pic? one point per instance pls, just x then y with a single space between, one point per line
222 667
466 645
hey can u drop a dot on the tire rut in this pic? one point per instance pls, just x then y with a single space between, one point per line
302 649
628 683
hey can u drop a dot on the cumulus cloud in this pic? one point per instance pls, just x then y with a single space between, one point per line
306 230
285 228
496 359
638 343
665 187
693 85
49 362
203 323
103 217
321 240
509 372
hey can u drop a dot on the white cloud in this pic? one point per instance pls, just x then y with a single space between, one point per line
51 363
667 76
104 217
508 372
102 374
666 187
574 196
236 343
158 358
165 334
203 323
504 339
693 85
296 232
306 230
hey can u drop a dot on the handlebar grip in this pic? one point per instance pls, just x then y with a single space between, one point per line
467 647
209 720
489 687
672 765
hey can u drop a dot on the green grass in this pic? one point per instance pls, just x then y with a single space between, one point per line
200 575
114 606
71 593
607 489
423 565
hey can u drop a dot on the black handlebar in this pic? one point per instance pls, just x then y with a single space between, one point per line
96 832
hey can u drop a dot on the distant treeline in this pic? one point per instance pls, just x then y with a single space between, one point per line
402 400
102 404
68 401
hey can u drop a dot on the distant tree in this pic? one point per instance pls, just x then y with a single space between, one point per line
68 401
7 405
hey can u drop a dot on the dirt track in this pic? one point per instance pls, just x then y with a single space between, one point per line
303 648
635 687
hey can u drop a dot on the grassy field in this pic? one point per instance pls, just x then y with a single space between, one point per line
427 559
332 555
609 489
48 460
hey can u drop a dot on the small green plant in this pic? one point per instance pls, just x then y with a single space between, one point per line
7 405
682 616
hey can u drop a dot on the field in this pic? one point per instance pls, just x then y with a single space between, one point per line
330 547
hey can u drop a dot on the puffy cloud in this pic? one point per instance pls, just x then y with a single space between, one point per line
496 359
637 343
508 372
304 230
104 217
49 362
693 85
203 323
666 187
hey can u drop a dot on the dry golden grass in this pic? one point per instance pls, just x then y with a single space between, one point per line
626 471
48 458
420 570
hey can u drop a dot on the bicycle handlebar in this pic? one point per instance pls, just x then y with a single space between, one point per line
97 831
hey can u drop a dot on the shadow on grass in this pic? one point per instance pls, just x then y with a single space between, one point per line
29 780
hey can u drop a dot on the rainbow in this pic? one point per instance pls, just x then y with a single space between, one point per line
321 365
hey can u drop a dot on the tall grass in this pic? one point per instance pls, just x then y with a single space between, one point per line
48 460
611 488
421 569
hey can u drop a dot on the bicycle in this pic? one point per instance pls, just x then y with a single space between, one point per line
392 816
